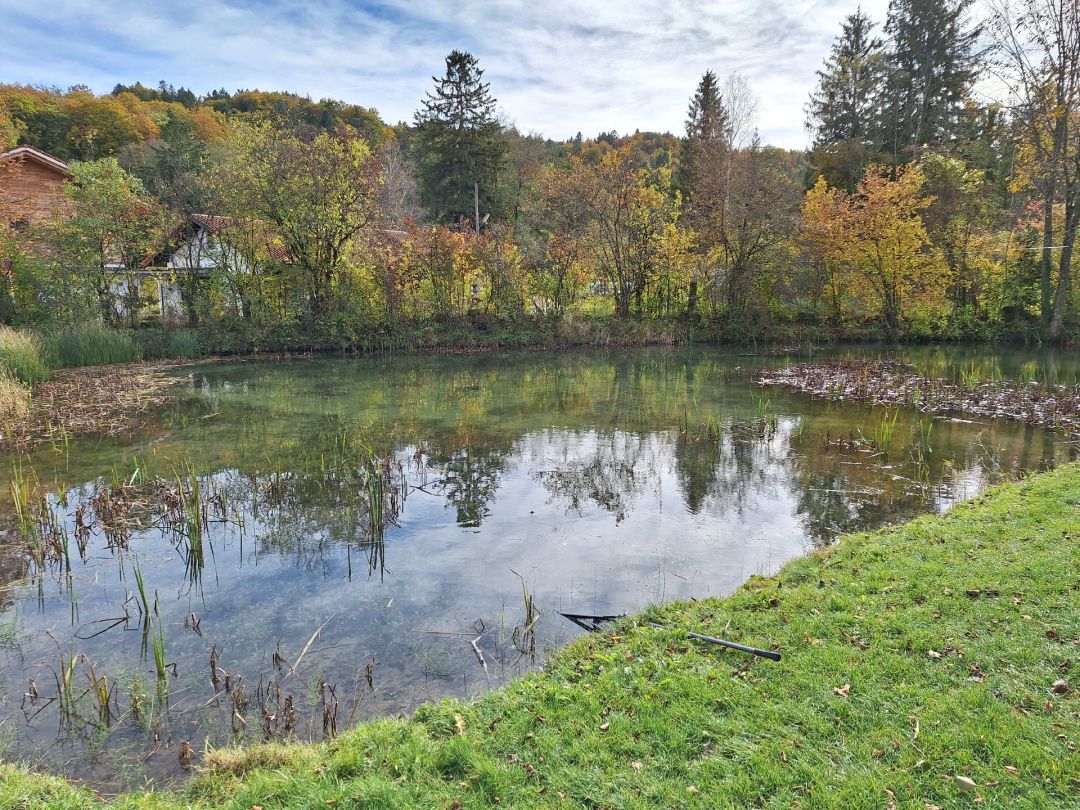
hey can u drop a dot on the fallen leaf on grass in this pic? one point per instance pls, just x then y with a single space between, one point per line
933 653
637 766
1012 769
842 691
964 783
1060 687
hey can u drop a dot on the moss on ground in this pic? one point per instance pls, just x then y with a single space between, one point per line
919 669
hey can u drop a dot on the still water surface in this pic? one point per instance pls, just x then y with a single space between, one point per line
595 483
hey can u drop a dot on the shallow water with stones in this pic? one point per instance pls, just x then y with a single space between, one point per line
327 540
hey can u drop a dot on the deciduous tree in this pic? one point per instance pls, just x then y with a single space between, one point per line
114 224
317 193
878 239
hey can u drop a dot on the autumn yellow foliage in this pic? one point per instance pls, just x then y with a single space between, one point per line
876 242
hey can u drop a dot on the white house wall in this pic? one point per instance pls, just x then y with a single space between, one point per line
205 251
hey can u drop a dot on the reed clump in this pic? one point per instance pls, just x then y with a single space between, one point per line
22 356
91 345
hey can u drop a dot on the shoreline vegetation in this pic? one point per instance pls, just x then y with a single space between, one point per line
927 665
97 380
47 393
897 385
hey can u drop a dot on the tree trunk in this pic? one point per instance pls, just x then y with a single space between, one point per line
1049 193
1056 328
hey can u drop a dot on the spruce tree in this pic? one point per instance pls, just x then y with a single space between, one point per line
931 69
707 134
705 120
460 142
844 105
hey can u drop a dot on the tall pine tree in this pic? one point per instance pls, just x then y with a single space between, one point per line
702 167
844 105
842 112
707 134
931 68
460 142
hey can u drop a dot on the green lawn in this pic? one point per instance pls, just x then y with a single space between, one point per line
918 670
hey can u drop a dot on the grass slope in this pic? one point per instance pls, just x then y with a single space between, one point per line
912 656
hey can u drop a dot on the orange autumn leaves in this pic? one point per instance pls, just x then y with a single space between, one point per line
874 246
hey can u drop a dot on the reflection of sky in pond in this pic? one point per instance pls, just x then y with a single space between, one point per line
606 482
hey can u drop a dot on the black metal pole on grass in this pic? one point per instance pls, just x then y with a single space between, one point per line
772 656
590 622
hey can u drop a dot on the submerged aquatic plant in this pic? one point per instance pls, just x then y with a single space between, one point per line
102 693
144 602
39 527
524 635
799 430
926 431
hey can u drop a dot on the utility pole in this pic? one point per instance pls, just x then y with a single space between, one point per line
476 201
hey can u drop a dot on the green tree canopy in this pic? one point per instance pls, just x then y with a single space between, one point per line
460 143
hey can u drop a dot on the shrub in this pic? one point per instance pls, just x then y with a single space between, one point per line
184 344
92 345
21 356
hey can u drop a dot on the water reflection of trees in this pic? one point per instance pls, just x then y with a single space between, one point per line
612 474
470 479
610 428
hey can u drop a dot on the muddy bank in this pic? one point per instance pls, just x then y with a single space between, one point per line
894 384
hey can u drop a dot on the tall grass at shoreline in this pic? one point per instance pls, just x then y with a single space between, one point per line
91 345
22 356
28 357
14 397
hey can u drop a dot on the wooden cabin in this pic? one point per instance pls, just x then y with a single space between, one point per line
31 186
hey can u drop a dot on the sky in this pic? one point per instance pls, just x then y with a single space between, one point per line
556 67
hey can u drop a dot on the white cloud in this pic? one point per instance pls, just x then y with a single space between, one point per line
557 67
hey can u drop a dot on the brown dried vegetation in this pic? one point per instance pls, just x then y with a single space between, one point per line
895 384
103 401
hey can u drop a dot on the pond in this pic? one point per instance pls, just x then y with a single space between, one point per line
295 546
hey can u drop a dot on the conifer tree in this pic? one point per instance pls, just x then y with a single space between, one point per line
460 142
844 105
707 134
931 68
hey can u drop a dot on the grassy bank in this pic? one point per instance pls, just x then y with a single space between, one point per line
933 664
